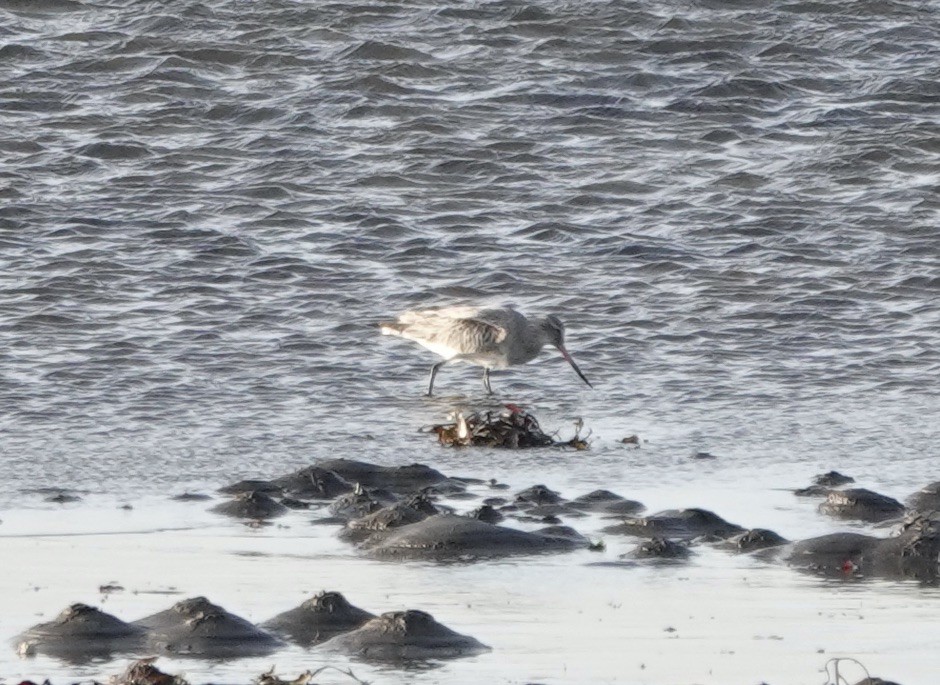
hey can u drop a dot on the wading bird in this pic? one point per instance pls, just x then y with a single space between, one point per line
491 338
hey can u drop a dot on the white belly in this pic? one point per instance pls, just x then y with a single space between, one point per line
492 361
440 349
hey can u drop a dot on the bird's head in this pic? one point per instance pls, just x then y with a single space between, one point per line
553 330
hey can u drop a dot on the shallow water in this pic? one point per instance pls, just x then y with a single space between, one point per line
206 207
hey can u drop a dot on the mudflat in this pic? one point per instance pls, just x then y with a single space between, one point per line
717 612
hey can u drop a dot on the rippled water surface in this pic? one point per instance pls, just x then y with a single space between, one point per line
205 208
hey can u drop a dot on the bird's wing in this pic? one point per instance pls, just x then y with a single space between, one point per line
459 330
474 336
437 316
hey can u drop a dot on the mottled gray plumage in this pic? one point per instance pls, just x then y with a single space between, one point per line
492 338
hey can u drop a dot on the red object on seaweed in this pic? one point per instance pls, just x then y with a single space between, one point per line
848 566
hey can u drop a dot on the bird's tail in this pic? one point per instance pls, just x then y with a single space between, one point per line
392 327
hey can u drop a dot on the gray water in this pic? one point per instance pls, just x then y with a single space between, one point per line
205 208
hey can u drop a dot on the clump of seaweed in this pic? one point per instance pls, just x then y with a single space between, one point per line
578 442
513 428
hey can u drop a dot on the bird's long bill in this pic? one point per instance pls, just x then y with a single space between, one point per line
564 353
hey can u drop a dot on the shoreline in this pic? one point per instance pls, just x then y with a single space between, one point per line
554 619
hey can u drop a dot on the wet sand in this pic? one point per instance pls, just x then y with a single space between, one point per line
720 618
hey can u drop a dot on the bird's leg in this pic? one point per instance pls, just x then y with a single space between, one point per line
434 370
486 380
